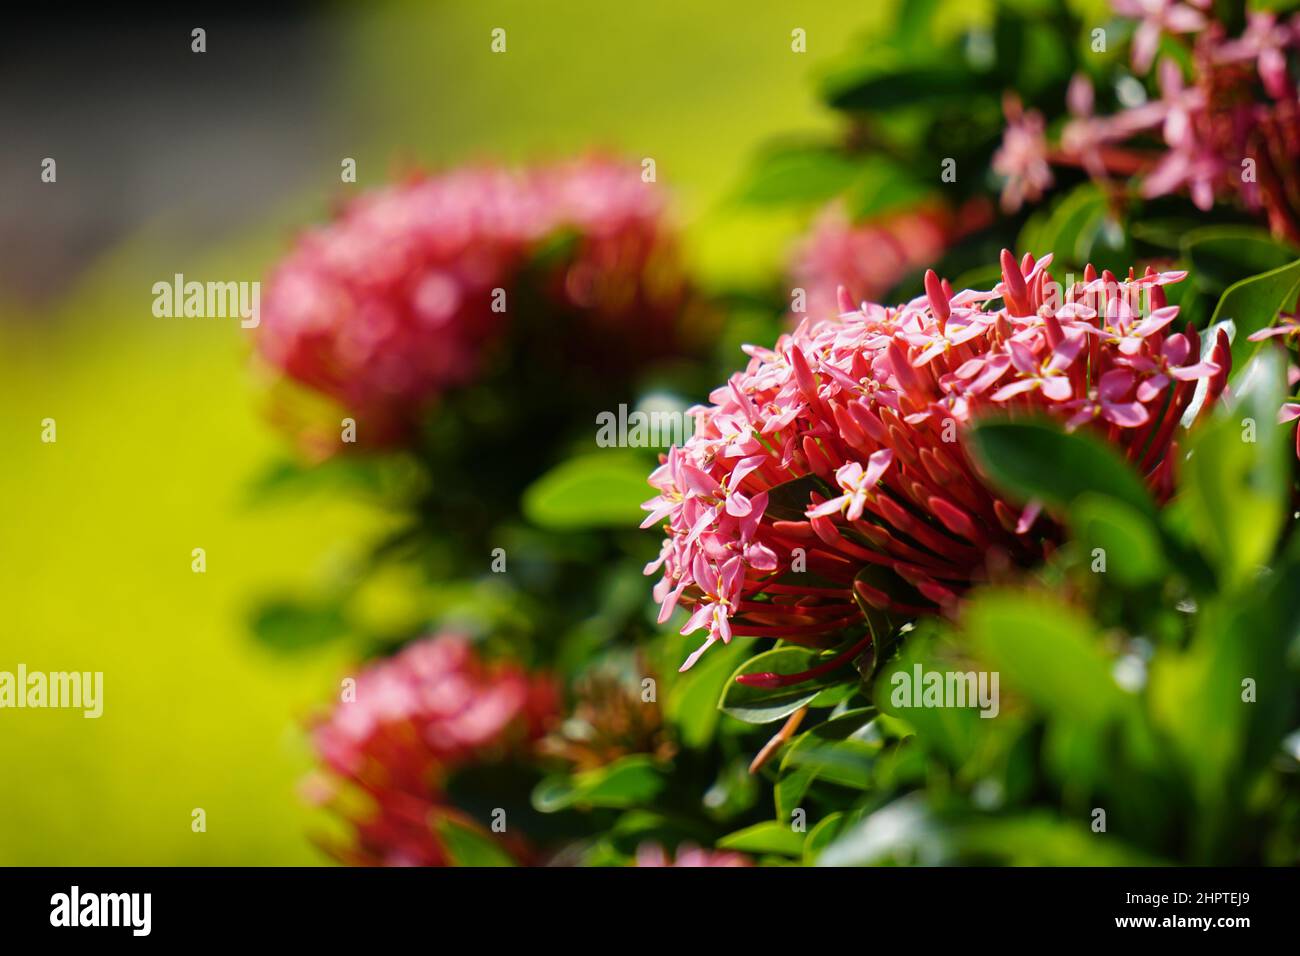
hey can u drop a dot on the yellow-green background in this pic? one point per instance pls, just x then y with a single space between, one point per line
160 425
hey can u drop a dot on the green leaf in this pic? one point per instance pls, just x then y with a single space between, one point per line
812 755
633 828
1038 461
1129 540
763 705
902 831
908 87
766 837
882 186
834 696
1071 217
840 750
1222 255
1040 839
1253 304
1046 651
292 626
631 781
822 835
1235 481
599 490
468 846
1225 705
792 174
789 792
909 831
1166 233
692 703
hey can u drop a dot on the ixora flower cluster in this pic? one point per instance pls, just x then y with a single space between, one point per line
1287 333
401 297
840 450
1229 123
412 720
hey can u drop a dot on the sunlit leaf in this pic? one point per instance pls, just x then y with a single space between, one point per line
1254 303
763 705
603 489
766 837
468 846
634 780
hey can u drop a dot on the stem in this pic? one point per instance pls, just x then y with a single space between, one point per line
785 733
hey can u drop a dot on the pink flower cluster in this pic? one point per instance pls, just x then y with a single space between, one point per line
1287 330
870 258
396 301
414 718
653 855
1022 158
840 450
1229 129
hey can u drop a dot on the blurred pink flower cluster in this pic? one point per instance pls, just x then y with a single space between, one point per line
1287 331
1227 127
413 719
870 258
841 448
653 855
402 296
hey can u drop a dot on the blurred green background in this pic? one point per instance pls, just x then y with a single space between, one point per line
161 429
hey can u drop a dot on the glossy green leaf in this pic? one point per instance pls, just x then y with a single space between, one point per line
769 836
822 835
1222 255
691 705
1254 303
1235 482
907 87
799 174
631 781
762 705
1060 231
1035 460
1044 650
839 750
599 490
468 846
1125 539
902 831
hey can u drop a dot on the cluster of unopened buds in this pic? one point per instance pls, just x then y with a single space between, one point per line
829 477
402 297
410 722
1229 126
